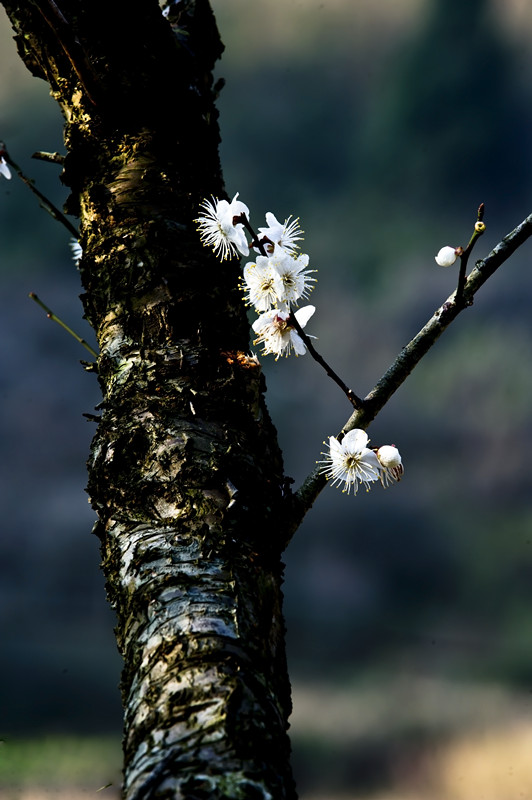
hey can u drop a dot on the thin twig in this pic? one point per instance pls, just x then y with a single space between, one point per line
45 203
412 354
464 255
50 314
355 401
255 242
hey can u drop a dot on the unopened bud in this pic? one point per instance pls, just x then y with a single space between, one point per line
446 256
389 456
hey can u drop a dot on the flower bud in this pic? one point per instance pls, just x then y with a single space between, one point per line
389 456
446 256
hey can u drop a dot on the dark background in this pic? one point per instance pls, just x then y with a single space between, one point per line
382 129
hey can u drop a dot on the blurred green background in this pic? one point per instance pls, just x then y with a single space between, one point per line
382 126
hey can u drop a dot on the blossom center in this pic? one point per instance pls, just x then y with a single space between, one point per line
281 324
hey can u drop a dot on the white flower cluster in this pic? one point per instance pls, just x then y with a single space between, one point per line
350 462
275 282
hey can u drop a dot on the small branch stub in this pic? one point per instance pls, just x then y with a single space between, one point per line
52 158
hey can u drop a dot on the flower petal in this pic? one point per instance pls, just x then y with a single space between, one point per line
4 169
297 343
304 314
355 441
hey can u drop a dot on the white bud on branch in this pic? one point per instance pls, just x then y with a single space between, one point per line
446 256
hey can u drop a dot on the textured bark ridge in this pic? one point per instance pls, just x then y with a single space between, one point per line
185 472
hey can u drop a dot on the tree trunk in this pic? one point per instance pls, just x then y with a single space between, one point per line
185 473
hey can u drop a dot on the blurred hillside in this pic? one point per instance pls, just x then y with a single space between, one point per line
382 126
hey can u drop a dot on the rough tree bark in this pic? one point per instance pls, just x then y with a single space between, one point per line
185 472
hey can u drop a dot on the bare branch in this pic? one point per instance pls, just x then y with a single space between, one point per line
412 354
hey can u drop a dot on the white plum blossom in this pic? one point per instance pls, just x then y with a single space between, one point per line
276 333
391 464
218 229
259 279
350 461
292 280
4 169
77 250
279 234
446 256
277 280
